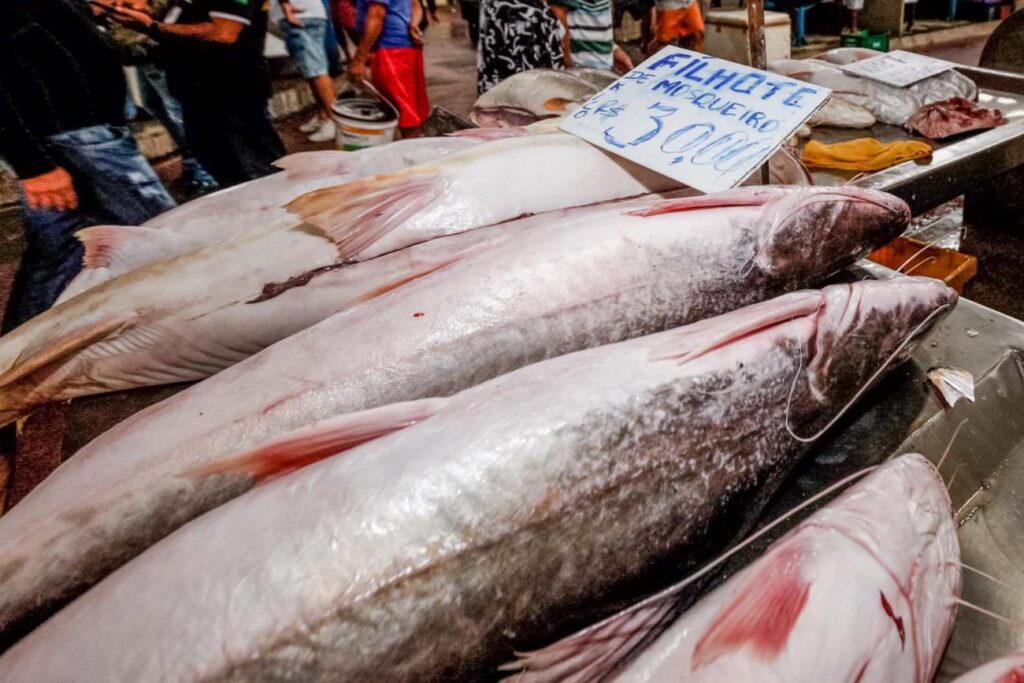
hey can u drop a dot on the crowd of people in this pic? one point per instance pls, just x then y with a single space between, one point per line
201 72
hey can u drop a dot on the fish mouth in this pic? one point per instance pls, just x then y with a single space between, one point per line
857 195
886 318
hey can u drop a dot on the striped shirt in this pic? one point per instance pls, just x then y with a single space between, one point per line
590 32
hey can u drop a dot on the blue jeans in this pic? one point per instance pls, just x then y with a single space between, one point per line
115 185
306 46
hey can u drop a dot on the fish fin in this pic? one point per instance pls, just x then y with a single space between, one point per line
692 341
119 247
718 200
50 350
763 612
952 384
488 134
557 104
591 654
358 213
316 164
322 440
419 272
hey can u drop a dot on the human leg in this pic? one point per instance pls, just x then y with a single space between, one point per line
113 179
52 257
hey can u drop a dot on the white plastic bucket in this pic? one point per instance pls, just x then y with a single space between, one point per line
363 122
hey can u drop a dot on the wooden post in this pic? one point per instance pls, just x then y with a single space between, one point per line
758 54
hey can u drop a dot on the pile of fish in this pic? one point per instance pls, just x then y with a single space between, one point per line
854 99
488 301
463 528
463 422
530 96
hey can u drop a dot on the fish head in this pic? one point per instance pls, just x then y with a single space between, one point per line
901 517
808 227
859 330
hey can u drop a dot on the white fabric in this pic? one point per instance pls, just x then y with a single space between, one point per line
307 9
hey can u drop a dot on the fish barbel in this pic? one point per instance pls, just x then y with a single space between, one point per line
503 516
862 590
516 296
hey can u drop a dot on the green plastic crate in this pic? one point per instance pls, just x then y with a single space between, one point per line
874 41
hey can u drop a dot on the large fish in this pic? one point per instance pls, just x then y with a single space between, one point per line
187 317
504 515
886 103
113 250
1006 669
530 96
863 590
587 278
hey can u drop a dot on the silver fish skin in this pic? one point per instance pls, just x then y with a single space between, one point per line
864 590
114 250
1006 669
585 278
505 515
529 96
187 317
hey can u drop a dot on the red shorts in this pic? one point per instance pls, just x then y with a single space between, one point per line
397 72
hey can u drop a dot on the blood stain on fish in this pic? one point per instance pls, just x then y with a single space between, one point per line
763 614
418 314
898 621
1015 675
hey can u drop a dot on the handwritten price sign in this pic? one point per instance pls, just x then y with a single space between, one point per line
703 121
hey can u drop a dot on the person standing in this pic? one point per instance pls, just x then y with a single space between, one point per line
62 130
677 22
515 36
303 25
213 54
588 35
391 41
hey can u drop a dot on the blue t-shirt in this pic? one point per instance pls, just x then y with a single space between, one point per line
396 24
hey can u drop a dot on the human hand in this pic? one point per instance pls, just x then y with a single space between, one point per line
357 69
416 34
133 19
52 190
291 14
621 62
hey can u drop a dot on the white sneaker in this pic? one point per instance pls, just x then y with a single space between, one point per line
312 125
325 133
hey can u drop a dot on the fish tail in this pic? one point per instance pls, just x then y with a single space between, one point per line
357 214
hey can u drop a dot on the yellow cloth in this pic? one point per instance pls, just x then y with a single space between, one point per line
863 154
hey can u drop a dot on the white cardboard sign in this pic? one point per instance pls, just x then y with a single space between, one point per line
703 121
897 68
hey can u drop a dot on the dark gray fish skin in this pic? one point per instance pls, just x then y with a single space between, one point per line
522 508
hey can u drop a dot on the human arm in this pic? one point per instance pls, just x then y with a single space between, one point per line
621 61
291 13
416 18
561 13
220 30
375 15
43 183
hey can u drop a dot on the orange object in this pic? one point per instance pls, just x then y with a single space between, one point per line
916 258
678 23
863 154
